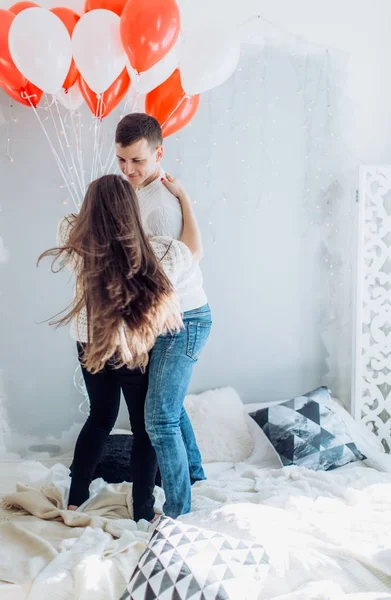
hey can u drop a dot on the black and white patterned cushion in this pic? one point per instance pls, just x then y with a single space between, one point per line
184 562
306 432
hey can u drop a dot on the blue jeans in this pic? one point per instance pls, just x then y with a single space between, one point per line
168 426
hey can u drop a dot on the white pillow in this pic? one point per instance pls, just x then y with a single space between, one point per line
220 425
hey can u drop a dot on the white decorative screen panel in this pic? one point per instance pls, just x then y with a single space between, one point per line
372 379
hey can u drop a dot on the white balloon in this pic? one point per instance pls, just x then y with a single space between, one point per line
149 80
208 58
41 48
71 99
97 49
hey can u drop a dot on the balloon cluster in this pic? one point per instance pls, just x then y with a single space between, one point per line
115 44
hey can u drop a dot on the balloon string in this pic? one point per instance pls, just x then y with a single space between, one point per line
101 107
110 166
102 112
57 158
94 151
127 101
60 137
76 127
80 126
184 97
68 145
10 106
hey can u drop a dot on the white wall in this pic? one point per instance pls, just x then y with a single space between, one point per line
361 29
264 271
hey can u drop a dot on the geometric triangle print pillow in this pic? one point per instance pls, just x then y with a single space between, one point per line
306 432
183 562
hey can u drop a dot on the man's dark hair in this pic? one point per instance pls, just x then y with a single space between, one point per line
138 126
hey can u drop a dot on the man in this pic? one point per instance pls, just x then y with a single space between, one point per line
139 149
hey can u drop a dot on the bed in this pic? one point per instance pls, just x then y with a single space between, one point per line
311 534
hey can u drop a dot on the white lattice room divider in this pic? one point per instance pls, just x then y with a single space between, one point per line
372 363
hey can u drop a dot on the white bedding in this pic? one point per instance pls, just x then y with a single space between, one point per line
46 560
328 535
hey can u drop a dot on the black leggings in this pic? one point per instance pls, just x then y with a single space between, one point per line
104 391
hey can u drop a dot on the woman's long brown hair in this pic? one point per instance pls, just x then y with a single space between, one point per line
128 298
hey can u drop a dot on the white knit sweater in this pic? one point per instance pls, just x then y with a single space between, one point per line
175 257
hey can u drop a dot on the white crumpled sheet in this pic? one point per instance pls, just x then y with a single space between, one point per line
328 535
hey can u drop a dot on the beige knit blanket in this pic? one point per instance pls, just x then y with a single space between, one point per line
113 502
50 553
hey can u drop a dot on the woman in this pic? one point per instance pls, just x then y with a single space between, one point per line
129 328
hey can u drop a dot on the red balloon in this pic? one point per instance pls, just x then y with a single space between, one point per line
149 30
111 97
69 18
9 74
116 6
170 105
21 94
19 6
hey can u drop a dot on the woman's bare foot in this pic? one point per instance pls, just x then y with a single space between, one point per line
72 507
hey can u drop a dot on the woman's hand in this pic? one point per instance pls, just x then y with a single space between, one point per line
191 236
175 187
